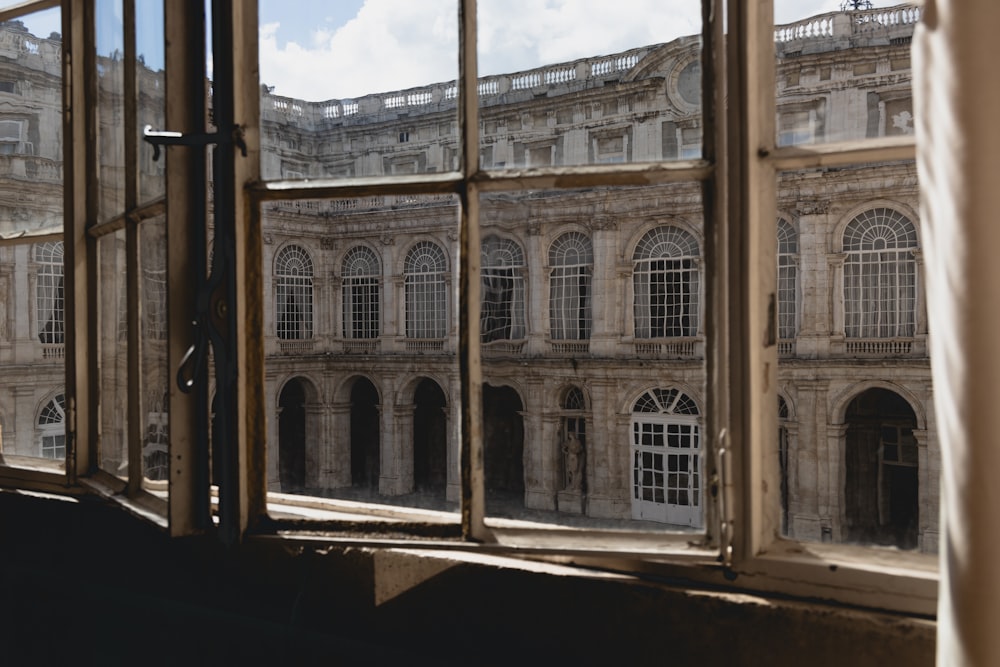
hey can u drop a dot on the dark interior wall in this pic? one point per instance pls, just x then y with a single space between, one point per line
86 583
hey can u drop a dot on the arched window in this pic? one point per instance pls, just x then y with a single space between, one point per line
571 259
880 275
501 316
666 458
52 428
360 274
49 293
666 282
788 250
426 294
293 284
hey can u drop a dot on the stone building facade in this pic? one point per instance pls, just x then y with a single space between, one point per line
592 313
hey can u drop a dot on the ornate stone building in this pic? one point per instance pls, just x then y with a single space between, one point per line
592 314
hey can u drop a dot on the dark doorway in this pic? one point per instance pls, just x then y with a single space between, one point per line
364 435
430 438
503 441
292 437
881 495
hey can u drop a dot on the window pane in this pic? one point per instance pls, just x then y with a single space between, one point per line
113 353
32 297
151 105
332 106
366 406
110 108
31 126
858 449
155 374
592 341
844 74
585 83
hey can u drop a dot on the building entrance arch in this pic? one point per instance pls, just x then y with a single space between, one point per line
365 435
503 442
881 489
430 438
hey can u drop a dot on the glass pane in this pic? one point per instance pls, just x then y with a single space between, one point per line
334 106
151 105
858 448
844 74
361 338
110 108
596 294
155 374
586 83
31 125
113 353
32 298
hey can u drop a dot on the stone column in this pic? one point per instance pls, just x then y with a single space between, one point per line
339 445
832 507
536 293
454 490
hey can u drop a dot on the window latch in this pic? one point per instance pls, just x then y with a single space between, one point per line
166 138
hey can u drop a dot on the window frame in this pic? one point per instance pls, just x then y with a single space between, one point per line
740 548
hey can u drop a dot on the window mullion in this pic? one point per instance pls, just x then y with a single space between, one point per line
470 370
751 226
134 401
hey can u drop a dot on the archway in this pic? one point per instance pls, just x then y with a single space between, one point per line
503 442
430 438
292 437
365 434
880 486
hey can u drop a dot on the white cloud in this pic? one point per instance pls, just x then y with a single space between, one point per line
399 44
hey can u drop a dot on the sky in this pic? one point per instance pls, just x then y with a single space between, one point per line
318 49
341 49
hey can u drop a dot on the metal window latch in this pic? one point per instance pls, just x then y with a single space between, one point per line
166 138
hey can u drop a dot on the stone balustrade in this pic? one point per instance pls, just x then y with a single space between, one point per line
847 24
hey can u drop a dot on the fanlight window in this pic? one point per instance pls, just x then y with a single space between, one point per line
293 280
666 458
880 275
788 251
361 274
666 284
52 428
502 313
425 281
571 259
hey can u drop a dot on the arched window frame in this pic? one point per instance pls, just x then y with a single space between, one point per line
666 448
361 288
666 282
571 267
880 275
425 287
51 425
293 288
50 304
502 290
788 280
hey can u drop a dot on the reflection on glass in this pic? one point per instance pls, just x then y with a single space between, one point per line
32 296
592 341
153 350
361 339
332 107
858 449
845 74
30 126
113 354
151 105
572 86
110 107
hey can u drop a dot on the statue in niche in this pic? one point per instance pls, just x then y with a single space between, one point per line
572 450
